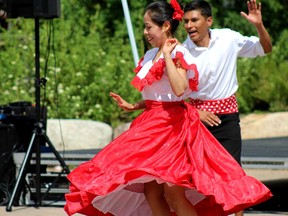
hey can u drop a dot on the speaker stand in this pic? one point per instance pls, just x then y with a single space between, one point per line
37 134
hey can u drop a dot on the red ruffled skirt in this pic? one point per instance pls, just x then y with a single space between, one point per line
166 143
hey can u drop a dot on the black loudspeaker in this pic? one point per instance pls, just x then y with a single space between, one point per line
47 9
22 115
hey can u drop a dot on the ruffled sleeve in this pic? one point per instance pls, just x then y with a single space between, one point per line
155 73
182 59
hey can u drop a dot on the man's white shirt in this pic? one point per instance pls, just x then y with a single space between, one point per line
217 63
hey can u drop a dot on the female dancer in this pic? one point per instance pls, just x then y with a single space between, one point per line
167 162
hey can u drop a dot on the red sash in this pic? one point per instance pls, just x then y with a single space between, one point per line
222 106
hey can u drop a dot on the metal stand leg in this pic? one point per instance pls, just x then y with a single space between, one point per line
21 174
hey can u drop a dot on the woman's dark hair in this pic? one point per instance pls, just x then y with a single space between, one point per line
160 12
201 5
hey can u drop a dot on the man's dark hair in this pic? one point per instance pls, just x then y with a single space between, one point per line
201 5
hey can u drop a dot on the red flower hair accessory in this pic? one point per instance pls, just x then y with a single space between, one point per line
178 12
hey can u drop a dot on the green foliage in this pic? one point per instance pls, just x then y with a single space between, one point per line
274 14
17 62
97 60
263 81
86 53
89 57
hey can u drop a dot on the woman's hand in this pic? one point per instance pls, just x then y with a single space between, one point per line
122 103
169 46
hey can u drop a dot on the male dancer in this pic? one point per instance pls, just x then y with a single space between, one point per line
216 52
